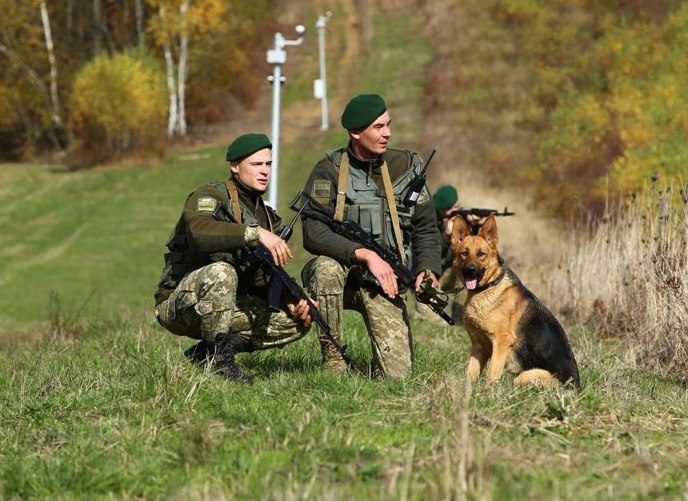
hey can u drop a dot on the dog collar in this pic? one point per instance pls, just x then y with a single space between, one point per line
481 288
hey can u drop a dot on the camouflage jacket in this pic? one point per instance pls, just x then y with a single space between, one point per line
200 237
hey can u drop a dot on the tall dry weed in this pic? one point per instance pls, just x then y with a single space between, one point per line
628 276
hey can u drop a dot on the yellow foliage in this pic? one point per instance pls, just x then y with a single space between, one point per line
119 102
201 19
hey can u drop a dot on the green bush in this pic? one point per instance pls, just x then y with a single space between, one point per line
118 104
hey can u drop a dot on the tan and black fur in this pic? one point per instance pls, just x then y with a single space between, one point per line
508 325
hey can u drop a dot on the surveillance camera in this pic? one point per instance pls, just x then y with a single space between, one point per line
300 29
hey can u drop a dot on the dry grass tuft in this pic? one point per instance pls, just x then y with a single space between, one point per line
629 277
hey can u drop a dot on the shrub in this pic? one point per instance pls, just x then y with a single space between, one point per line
118 105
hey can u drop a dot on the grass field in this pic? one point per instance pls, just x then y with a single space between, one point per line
97 401
114 410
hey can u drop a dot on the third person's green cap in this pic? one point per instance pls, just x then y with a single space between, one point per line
445 197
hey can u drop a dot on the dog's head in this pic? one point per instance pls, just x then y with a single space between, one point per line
475 257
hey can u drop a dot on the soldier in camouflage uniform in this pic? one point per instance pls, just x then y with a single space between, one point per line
208 289
366 182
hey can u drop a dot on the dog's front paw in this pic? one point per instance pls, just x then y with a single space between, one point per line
473 370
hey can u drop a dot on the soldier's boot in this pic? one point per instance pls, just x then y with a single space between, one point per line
332 359
223 361
331 306
200 353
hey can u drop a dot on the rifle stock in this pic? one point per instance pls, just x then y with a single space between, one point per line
353 231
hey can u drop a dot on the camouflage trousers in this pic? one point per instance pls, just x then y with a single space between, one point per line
335 288
205 304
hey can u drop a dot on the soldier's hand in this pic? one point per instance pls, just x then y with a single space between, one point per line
300 312
280 251
472 218
428 278
381 270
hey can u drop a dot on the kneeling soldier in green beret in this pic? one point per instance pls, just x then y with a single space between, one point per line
209 290
367 182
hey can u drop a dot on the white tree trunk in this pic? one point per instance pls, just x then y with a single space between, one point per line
172 116
181 78
54 96
172 92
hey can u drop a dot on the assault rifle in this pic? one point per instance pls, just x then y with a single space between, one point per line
280 279
481 213
354 232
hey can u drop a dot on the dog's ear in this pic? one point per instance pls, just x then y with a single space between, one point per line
459 229
488 230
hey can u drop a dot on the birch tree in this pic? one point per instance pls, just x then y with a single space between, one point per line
50 48
30 94
177 23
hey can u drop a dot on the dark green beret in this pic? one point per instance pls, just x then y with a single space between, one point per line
246 145
445 197
362 110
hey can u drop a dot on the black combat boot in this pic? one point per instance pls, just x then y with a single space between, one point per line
200 353
223 364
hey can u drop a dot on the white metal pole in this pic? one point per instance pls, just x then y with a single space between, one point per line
278 56
276 94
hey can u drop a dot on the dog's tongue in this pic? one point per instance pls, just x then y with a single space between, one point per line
471 284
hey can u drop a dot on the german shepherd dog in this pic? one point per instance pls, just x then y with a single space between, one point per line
507 324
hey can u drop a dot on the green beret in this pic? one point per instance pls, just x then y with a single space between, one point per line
362 110
246 145
445 197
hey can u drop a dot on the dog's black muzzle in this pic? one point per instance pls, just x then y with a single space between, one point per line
472 272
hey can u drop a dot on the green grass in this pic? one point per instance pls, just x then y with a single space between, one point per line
97 401
94 238
117 411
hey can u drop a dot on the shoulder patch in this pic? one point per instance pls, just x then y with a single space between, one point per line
321 189
424 196
206 203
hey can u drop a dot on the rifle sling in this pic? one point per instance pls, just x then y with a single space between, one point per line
236 204
341 188
234 199
389 194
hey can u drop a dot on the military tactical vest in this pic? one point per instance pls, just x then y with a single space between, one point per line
367 205
183 257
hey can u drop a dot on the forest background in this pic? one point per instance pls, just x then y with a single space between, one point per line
575 102
569 112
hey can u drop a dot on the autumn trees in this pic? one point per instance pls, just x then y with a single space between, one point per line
588 101
58 59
